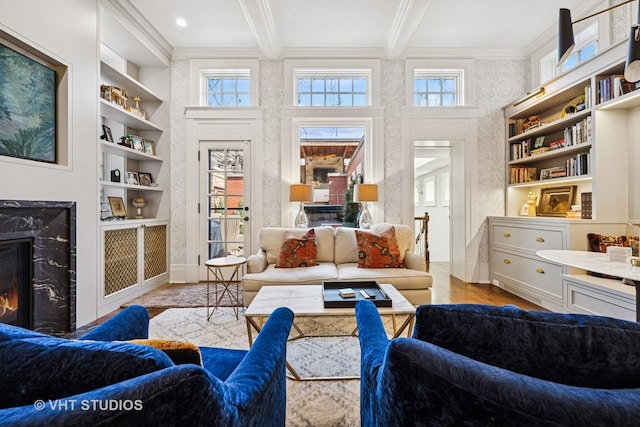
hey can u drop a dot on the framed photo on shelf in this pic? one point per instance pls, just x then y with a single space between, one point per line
106 133
556 201
145 178
539 142
133 178
137 143
524 209
118 208
149 147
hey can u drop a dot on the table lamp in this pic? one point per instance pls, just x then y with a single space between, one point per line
301 193
365 193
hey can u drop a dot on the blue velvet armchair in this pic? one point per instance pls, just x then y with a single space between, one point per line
478 365
99 380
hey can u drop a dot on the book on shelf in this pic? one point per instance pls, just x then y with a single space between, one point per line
523 174
539 150
610 87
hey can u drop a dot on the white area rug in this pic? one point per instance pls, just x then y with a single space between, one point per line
314 404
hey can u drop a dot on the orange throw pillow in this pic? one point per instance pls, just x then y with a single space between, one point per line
378 251
298 251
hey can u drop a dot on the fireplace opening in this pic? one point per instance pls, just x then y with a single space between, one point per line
16 275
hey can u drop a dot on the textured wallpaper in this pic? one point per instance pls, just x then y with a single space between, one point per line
497 82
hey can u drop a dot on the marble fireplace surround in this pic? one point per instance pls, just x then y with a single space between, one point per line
52 226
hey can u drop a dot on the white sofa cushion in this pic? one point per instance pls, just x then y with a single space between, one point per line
400 278
404 236
297 276
270 240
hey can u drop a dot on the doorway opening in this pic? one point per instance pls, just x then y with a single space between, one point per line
432 195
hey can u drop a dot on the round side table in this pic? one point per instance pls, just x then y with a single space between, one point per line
215 267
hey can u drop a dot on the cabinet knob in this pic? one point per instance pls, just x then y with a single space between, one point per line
539 239
507 261
539 270
507 235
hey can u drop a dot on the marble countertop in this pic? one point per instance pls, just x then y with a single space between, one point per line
591 261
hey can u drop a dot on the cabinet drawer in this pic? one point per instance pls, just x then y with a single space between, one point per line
534 272
527 238
583 299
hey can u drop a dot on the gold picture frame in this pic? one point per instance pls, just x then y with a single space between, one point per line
556 201
118 208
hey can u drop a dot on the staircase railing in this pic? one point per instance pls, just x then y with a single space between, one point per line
422 239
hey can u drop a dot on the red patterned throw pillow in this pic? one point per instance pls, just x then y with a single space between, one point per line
298 251
378 251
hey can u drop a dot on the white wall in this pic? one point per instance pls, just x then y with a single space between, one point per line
67 31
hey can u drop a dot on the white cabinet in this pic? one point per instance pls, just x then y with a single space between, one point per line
604 297
514 265
134 248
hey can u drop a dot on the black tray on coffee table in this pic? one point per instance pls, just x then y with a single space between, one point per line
332 298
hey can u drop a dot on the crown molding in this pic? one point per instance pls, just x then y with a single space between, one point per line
186 53
141 24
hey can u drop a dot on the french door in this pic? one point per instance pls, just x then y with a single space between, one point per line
224 208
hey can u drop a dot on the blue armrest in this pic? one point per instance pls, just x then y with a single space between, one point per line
131 323
258 385
183 395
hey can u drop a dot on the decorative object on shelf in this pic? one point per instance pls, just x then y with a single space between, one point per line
531 122
575 105
529 208
136 109
28 132
125 141
365 193
301 193
556 201
145 179
118 209
149 147
566 41
133 178
106 133
115 176
139 203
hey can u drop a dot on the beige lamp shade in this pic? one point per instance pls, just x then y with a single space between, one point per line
300 193
365 193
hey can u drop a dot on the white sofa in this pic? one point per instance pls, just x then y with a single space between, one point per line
338 260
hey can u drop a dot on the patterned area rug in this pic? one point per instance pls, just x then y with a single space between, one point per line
309 403
178 295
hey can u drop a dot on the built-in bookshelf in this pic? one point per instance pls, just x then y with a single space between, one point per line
566 136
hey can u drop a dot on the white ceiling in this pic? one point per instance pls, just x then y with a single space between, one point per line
394 27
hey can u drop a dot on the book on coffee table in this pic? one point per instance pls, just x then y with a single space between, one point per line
369 290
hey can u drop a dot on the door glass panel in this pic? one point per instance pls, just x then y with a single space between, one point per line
225 202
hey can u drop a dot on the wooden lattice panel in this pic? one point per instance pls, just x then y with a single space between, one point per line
155 250
120 259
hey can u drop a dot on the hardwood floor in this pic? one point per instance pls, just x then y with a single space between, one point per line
449 290
445 290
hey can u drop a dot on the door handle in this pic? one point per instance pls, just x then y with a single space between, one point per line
539 239
246 218
507 235
539 270
507 261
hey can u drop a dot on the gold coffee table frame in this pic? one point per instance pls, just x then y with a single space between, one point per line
214 267
307 301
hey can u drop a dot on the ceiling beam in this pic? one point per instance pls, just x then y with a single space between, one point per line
408 16
260 19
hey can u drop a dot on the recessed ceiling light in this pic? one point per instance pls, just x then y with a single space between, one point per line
181 22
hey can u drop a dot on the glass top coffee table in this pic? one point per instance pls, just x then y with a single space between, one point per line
307 301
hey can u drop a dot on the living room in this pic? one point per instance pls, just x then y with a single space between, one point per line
476 130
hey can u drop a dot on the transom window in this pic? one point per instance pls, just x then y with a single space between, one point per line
332 88
586 48
227 88
437 88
